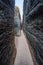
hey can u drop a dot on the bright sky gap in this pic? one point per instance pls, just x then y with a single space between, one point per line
19 3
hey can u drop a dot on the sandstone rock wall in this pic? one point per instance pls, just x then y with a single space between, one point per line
7 45
33 28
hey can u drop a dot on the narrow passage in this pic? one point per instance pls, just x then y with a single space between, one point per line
23 53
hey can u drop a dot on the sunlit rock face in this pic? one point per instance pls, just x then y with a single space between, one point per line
7 45
17 22
33 27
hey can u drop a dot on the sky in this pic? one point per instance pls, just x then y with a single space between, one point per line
19 3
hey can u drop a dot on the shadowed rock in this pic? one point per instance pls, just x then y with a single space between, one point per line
7 45
33 27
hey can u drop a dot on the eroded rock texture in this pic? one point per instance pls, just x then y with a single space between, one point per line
33 27
7 45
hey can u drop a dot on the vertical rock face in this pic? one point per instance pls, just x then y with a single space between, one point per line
7 45
17 22
33 27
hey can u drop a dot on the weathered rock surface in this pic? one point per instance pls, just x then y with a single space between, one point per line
7 45
33 27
